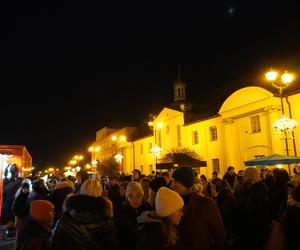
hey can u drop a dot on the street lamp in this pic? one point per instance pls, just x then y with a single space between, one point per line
119 159
156 150
283 126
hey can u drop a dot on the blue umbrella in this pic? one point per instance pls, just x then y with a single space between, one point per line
273 160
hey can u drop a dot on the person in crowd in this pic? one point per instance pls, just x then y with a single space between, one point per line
35 232
291 221
238 181
229 176
216 181
159 231
252 215
155 185
206 185
121 197
145 185
112 189
136 175
126 220
19 209
81 177
167 177
201 226
279 194
86 222
39 192
10 187
61 191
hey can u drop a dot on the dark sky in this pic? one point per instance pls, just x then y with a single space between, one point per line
71 69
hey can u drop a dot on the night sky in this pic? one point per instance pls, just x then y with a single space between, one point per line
69 70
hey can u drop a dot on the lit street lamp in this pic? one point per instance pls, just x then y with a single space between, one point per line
156 150
284 125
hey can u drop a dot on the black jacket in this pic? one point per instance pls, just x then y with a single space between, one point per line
126 223
87 224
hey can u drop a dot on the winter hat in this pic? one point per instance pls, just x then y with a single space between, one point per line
167 202
158 183
91 187
64 184
134 186
41 210
185 176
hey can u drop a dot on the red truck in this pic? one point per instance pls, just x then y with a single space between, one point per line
15 161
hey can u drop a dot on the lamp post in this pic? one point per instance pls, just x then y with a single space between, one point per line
118 142
284 125
156 150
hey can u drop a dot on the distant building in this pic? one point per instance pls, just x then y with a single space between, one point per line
241 130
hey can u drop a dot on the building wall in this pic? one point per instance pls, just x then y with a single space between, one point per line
236 141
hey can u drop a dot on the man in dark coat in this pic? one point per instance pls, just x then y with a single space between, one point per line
201 226
86 222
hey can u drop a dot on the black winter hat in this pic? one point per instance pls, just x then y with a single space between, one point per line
184 175
157 183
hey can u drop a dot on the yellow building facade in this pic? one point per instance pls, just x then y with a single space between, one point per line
242 130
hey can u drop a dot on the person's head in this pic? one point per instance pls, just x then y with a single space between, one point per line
145 185
134 194
111 180
91 187
155 185
168 203
81 176
240 173
215 174
230 170
136 175
123 188
251 175
183 179
281 176
42 211
25 187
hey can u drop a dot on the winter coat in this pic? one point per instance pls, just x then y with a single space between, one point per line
33 236
149 233
126 223
86 224
201 227
19 206
252 217
57 199
291 224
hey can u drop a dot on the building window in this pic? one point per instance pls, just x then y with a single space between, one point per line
167 129
142 149
213 133
149 147
195 138
179 136
216 165
255 124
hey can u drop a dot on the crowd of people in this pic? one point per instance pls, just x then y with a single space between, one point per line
250 209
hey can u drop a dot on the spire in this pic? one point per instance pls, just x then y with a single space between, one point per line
179 86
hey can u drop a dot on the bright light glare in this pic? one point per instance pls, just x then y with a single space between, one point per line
271 75
287 78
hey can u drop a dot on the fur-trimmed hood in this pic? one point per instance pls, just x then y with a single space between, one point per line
85 208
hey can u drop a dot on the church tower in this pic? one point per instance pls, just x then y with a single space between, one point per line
179 87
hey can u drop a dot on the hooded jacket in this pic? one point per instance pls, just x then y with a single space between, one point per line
86 224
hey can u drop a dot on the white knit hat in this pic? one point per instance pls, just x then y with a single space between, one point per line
167 202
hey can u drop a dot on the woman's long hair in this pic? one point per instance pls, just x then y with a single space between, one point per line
169 231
